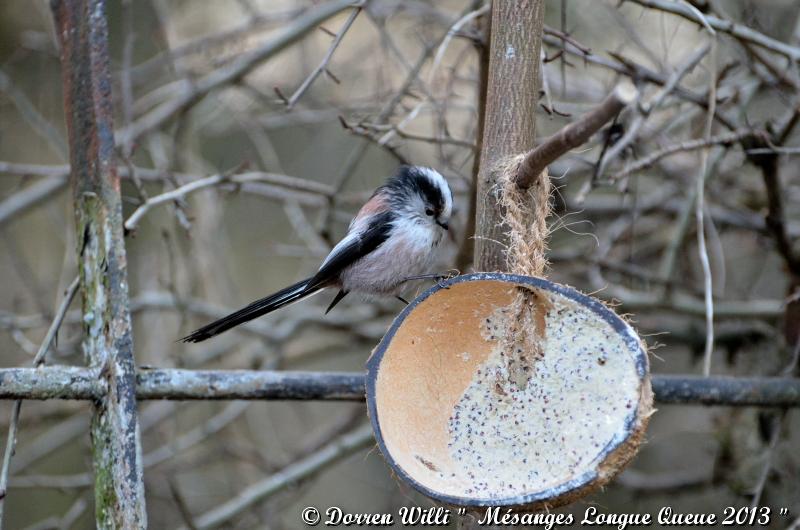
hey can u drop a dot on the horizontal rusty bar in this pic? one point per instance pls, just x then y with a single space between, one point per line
68 382
249 384
735 391
51 382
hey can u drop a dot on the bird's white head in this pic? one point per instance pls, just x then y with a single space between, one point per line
421 193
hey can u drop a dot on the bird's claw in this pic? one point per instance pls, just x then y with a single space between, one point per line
447 275
438 277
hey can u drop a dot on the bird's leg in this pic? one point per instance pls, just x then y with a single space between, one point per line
438 276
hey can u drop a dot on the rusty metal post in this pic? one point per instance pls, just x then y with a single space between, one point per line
108 345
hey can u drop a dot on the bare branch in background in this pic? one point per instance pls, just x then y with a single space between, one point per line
323 66
38 122
339 448
192 92
38 360
739 31
700 205
723 139
644 111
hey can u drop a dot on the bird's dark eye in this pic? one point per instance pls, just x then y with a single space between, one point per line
428 211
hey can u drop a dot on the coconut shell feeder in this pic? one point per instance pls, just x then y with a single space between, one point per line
495 389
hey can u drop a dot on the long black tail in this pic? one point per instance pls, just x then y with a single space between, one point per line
256 309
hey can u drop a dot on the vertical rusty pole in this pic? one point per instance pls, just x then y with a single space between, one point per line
512 94
108 344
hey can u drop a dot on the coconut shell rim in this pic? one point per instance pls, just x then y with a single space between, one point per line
549 496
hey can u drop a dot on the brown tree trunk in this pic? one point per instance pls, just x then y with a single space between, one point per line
512 93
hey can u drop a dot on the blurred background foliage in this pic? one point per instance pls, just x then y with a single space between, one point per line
401 87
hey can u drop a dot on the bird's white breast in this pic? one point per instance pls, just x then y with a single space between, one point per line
409 251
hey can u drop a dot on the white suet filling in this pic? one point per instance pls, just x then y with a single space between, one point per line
507 441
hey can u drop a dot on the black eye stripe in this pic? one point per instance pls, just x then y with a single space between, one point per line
410 179
430 192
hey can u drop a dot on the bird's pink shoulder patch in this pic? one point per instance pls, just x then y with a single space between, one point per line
377 204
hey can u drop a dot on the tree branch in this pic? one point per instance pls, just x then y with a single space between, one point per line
574 134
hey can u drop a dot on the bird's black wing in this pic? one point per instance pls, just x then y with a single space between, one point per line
352 248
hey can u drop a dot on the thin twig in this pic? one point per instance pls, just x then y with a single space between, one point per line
242 179
292 101
739 31
11 441
774 438
30 197
700 212
37 122
437 59
149 68
196 435
336 450
776 217
689 145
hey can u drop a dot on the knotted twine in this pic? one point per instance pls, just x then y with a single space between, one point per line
525 213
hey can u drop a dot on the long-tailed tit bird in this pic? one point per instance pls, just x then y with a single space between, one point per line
392 239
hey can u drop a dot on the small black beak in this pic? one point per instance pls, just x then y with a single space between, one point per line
443 225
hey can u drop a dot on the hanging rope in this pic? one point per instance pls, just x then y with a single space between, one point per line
528 232
525 213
